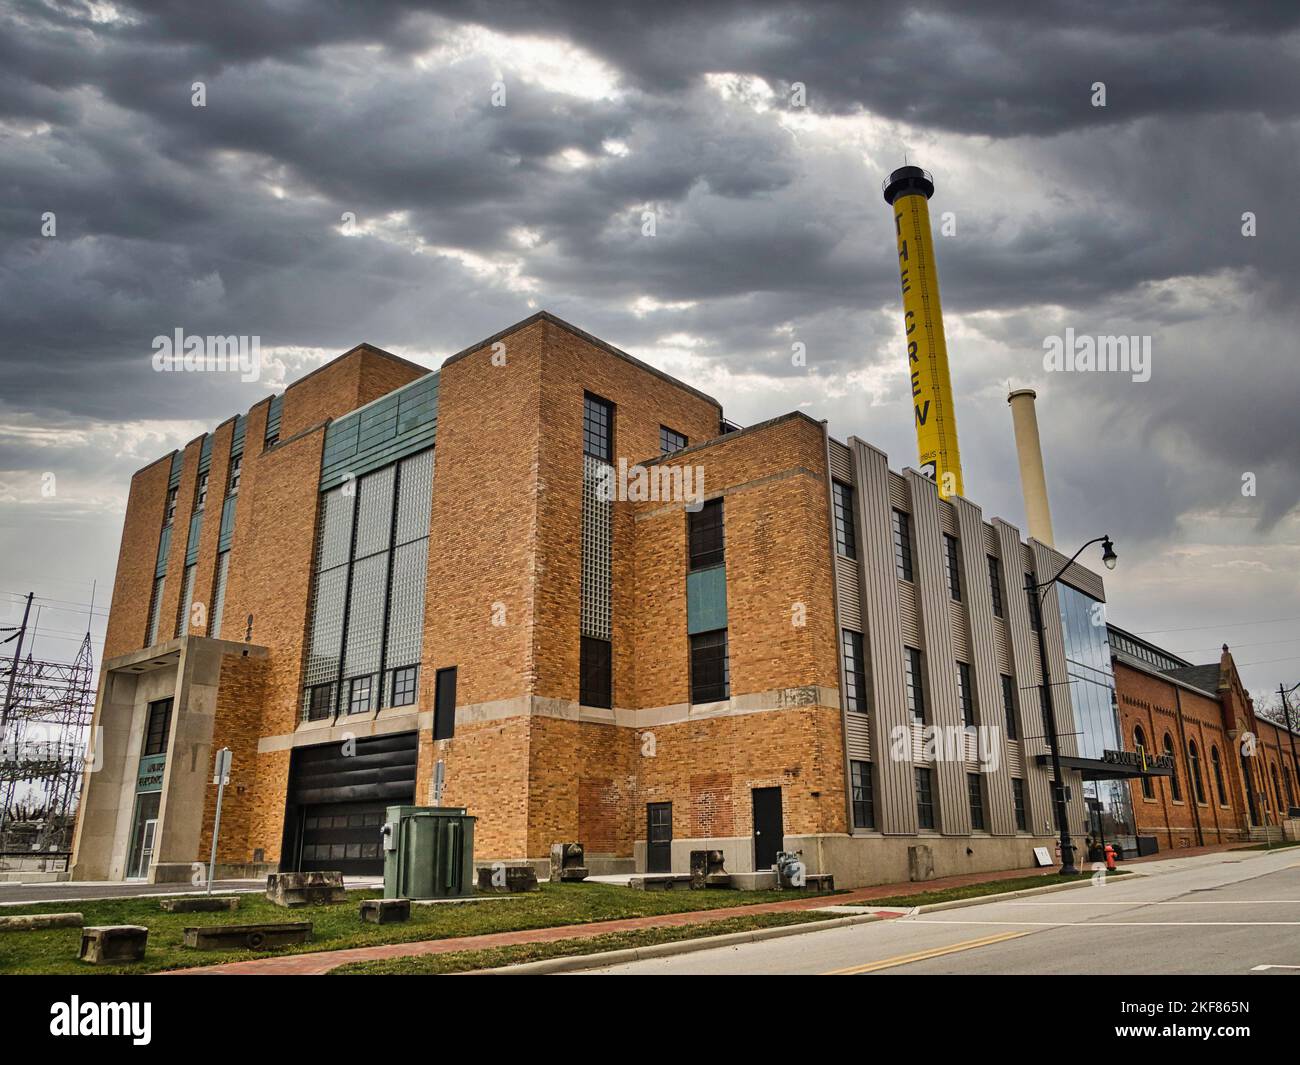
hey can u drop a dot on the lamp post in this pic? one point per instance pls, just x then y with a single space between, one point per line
1109 558
1286 714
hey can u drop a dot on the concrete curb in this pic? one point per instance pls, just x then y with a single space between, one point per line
575 962
976 900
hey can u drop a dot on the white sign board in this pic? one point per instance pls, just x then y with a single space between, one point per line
221 773
1043 855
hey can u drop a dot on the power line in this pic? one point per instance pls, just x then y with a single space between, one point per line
1218 625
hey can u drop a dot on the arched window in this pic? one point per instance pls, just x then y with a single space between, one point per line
1218 776
1174 786
1194 768
1140 745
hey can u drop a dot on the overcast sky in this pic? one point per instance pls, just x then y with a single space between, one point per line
1122 219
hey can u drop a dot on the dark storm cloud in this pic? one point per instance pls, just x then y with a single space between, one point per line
225 219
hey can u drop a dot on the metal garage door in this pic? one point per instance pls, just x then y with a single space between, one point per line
338 794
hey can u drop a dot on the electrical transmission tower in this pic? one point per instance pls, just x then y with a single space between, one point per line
48 710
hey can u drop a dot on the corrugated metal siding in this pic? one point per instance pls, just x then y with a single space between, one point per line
1002 645
909 616
957 621
237 435
174 478
896 798
205 454
948 518
857 734
1024 671
898 492
841 462
989 714
848 586
273 417
400 424
939 664
1015 767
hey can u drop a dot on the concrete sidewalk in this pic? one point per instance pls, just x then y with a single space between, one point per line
321 962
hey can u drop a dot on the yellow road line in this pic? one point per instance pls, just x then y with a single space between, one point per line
924 955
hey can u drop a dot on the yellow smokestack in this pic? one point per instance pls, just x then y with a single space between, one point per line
1033 481
908 191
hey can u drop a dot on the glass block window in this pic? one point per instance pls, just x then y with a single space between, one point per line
219 595
670 440
710 670
597 540
924 780
187 598
1018 797
706 535
975 791
855 672
952 558
864 805
598 428
846 536
995 585
1009 707
404 686
965 694
902 545
915 684
366 623
155 609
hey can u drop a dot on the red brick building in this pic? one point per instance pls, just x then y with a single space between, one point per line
1234 772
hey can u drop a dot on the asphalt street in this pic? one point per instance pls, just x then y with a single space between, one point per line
1221 914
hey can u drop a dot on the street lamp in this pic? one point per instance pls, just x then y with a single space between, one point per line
1109 558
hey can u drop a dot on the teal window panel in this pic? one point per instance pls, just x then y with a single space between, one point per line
192 544
237 438
227 523
164 546
706 600
391 428
205 454
178 457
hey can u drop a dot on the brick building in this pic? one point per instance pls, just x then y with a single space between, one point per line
1234 774
553 585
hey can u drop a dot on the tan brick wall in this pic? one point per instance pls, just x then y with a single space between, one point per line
236 725
350 381
128 615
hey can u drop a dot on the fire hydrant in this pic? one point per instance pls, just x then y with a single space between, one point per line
1110 858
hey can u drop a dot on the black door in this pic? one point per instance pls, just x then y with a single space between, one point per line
345 836
659 837
769 831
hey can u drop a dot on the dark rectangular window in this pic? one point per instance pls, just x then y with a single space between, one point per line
952 553
902 545
404 686
855 671
158 727
359 700
864 804
706 537
1009 706
710 676
975 789
915 686
965 694
444 704
670 440
318 705
924 798
1018 796
598 428
594 673
171 505
846 536
236 465
201 494
995 585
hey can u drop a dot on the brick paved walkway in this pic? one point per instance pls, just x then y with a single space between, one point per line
321 962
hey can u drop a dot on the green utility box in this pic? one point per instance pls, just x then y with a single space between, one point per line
428 852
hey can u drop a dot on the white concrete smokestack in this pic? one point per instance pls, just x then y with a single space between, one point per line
1033 481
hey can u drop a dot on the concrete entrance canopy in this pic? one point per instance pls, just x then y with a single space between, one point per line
190 670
